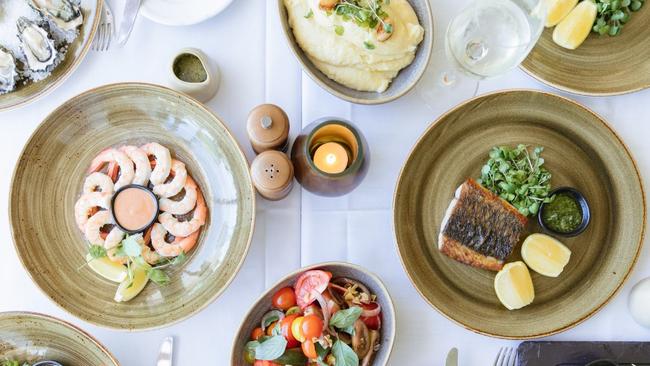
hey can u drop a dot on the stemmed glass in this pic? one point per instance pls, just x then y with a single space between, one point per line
486 39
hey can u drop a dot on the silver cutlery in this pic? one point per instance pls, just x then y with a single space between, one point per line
506 357
131 10
452 357
105 30
166 354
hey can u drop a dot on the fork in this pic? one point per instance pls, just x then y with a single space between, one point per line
105 30
506 357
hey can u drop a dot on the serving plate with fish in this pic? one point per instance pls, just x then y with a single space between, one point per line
453 234
41 43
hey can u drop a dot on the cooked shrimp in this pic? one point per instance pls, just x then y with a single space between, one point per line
98 182
112 155
142 165
175 248
93 229
172 188
87 205
185 228
183 206
163 162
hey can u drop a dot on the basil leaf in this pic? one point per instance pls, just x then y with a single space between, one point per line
321 351
271 348
344 355
270 317
131 247
344 319
158 276
292 356
97 251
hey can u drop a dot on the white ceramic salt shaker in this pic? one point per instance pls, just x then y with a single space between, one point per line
639 302
192 73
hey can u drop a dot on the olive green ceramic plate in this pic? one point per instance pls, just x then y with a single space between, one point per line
25 94
581 151
49 177
600 66
338 269
31 337
405 80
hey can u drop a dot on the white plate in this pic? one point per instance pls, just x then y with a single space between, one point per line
182 12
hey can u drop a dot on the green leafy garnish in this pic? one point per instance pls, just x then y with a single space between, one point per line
339 30
518 176
309 14
158 276
344 355
369 45
613 14
344 319
131 246
293 356
269 348
96 252
365 13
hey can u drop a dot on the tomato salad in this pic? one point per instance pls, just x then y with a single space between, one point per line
319 321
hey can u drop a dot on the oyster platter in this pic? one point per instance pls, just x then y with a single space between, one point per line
34 38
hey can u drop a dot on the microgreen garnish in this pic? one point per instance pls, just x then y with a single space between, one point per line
309 14
369 45
613 14
365 13
518 176
339 30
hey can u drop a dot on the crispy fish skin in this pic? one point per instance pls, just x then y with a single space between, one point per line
479 228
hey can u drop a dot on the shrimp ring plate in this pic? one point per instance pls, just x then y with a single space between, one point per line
42 198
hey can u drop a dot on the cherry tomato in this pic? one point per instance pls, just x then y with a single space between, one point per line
313 310
269 329
307 283
309 349
265 363
284 299
311 327
285 330
296 329
372 322
257 333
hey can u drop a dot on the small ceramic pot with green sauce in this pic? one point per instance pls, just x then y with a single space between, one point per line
192 74
567 215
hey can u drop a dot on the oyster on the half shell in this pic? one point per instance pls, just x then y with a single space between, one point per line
64 13
8 73
36 44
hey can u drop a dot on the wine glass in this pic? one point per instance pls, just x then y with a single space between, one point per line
485 40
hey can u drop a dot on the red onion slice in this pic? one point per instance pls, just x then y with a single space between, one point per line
324 308
368 313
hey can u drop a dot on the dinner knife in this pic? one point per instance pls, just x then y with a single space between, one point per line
131 9
166 352
452 357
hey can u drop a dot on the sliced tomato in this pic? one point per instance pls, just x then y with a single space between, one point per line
307 283
285 330
257 333
309 349
372 322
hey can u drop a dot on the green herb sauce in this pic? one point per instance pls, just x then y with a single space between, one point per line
190 69
563 214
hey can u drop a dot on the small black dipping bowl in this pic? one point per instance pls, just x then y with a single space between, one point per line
153 219
582 201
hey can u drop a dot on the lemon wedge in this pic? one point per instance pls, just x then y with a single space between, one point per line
545 255
557 10
575 27
106 268
513 286
129 289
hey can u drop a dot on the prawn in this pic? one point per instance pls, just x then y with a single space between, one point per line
183 206
163 162
185 228
176 185
86 206
98 181
175 248
142 165
112 155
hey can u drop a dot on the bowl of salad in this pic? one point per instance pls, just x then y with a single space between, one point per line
334 314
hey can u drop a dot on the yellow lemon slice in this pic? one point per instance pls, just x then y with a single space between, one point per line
575 27
129 289
557 10
545 255
513 286
106 268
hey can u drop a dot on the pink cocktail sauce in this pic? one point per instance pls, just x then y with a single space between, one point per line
134 208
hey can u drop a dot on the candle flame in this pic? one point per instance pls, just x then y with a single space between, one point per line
330 159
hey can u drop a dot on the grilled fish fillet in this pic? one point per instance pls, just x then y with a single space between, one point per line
480 228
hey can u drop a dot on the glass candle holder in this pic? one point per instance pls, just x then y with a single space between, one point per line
330 157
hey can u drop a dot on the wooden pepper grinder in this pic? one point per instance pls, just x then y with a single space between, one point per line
268 128
272 174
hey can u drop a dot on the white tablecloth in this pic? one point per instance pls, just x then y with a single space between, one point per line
257 66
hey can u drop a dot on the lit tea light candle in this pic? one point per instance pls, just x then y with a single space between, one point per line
331 158
134 208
